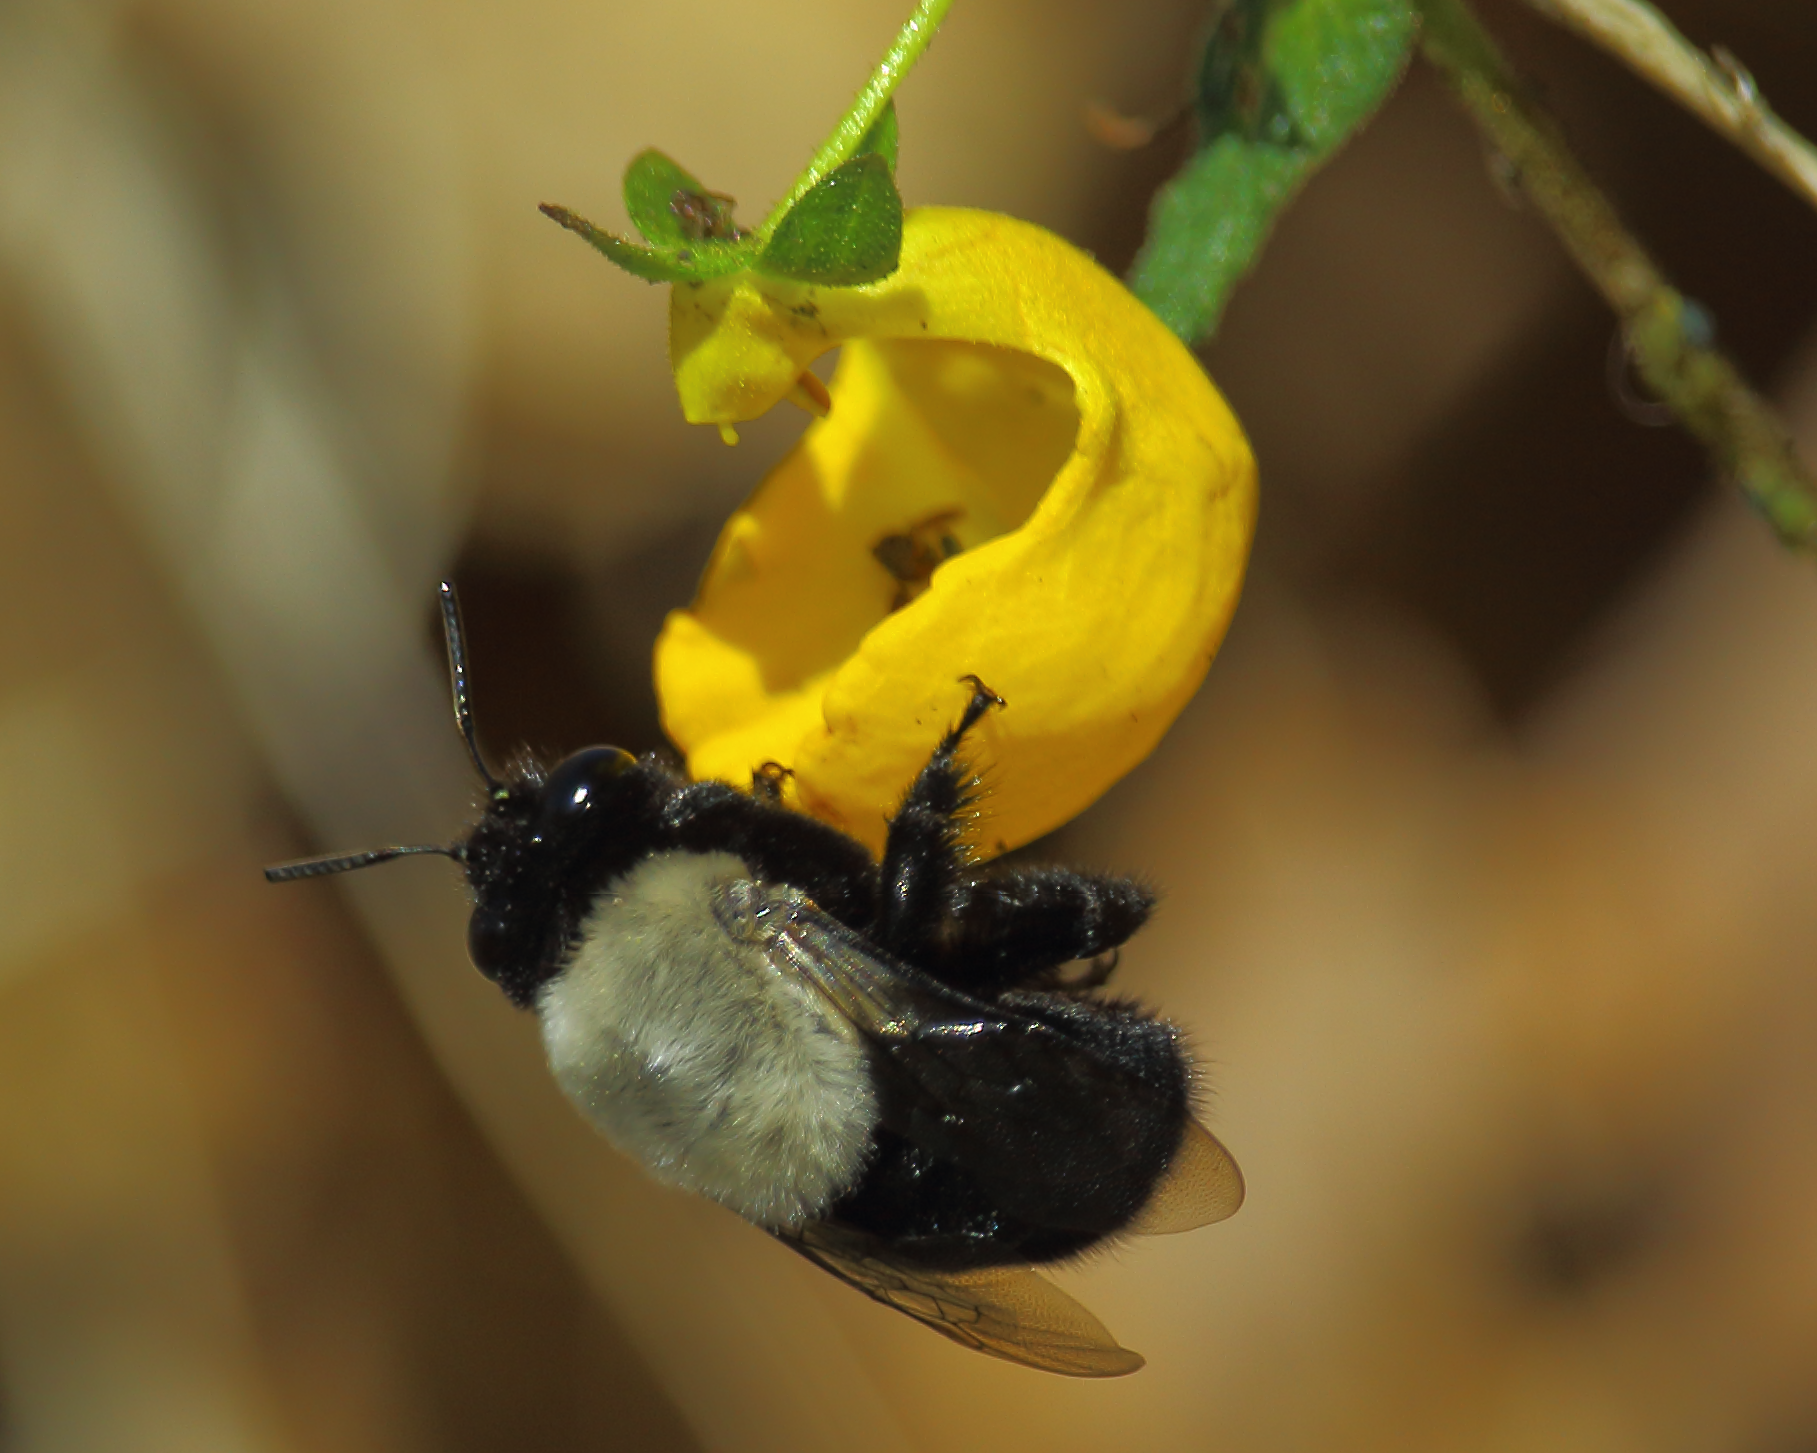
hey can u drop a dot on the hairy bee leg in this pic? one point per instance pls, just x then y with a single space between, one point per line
923 858
780 846
996 930
1013 928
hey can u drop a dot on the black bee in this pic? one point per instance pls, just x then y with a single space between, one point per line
880 1064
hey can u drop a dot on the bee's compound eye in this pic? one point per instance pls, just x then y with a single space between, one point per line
489 942
575 785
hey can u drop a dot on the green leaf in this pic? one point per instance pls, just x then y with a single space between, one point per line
846 231
694 262
882 138
1282 84
651 182
673 210
702 260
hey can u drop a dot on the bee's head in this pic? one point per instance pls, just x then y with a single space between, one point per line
546 845
548 841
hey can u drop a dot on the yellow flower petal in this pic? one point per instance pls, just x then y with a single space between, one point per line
1003 393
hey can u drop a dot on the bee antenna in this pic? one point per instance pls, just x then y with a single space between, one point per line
347 862
456 637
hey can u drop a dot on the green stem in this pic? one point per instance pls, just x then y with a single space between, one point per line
868 105
1667 336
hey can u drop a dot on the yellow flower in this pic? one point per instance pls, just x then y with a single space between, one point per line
1004 415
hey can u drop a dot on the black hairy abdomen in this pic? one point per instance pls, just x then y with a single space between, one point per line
1026 1137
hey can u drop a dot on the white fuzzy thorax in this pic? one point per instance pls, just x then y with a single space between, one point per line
693 1053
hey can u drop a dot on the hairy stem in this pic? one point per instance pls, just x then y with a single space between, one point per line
1668 336
868 105
1714 88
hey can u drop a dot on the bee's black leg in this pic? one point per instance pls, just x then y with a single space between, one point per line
1015 927
987 930
993 930
780 846
923 861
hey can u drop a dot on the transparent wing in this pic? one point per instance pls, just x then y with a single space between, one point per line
884 1001
1012 1312
1202 1185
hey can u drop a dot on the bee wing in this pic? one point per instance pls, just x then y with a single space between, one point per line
884 1001
1202 1185
1012 1312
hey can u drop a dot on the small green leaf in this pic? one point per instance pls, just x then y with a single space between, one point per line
846 231
651 182
673 210
633 257
693 262
882 138
1281 85
706 259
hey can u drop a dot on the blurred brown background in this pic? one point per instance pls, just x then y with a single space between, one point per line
1487 849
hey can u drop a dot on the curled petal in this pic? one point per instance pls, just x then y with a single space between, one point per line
1023 476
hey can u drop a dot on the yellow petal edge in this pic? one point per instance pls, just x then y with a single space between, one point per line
1003 383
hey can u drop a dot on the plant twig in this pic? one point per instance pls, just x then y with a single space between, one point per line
1668 336
914 37
1714 87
